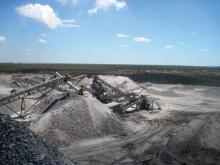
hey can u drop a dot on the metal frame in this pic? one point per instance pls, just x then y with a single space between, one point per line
44 88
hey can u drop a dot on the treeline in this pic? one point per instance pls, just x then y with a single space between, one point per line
185 79
97 68
187 75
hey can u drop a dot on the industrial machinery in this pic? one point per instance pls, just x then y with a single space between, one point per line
102 90
40 91
128 102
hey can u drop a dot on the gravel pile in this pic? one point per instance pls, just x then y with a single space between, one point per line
123 83
195 140
49 101
75 118
19 145
117 80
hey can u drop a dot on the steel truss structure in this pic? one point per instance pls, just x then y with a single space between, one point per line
128 101
43 89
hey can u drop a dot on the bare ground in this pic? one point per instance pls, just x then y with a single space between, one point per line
186 130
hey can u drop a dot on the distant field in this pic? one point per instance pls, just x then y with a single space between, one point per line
187 75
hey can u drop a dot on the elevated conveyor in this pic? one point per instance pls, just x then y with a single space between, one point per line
17 95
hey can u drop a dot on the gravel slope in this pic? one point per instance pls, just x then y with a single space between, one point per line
76 118
19 145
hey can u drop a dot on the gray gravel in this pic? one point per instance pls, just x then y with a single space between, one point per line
19 145
75 118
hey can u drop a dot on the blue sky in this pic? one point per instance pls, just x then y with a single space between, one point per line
162 32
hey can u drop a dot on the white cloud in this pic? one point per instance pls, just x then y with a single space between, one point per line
42 41
124 46
204 50
69 23
142 39
121 35
181 43
64 2
168 46
92 11
106 4
2 39
44 14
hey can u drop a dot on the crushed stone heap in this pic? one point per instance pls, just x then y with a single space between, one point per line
19 145
76 118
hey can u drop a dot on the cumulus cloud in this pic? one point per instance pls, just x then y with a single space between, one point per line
69 23
204 50
106 4
142 39
64 2
2 39
92 11
42 41
168 46
44 14
121 35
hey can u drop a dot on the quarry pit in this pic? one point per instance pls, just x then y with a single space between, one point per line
185 129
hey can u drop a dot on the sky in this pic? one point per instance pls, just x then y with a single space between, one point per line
151 32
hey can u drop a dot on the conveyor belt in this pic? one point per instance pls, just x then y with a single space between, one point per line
137 101
12 97
111 86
